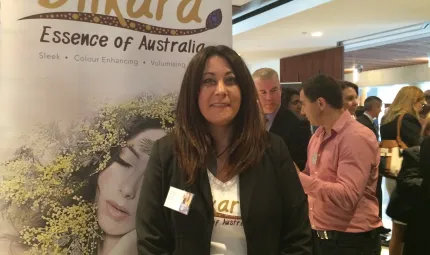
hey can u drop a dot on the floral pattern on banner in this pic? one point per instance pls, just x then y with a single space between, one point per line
42 198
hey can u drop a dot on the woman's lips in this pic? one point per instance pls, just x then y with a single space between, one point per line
220 105
116 212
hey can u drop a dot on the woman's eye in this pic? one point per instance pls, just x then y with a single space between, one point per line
209 81
123 163
230 81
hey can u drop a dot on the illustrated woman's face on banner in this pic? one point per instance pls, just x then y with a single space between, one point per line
119 186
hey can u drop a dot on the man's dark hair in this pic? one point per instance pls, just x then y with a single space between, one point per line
370 101
347 84
323 86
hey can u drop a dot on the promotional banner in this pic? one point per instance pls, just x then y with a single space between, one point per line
86 87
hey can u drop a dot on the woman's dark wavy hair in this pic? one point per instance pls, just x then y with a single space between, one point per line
287 94
193 143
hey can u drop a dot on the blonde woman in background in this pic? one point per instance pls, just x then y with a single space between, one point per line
408 103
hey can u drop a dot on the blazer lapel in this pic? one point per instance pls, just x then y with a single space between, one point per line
247 181
372 125
205 190
275 124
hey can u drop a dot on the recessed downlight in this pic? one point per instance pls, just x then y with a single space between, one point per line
316 34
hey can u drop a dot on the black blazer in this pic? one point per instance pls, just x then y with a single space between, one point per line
295 133
363 119
416 236
272 201
410 130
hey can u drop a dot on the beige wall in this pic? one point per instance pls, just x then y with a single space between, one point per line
400 75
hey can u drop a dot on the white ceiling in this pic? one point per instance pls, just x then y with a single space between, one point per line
339 20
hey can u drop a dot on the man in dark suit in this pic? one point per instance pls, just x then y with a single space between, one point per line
372 109
280 120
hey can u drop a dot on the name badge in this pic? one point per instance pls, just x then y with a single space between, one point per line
179 200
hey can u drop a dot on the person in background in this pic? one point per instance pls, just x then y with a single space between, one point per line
427 96
426 127
372 109
341 174
359 111
408 102
246 195
280 120
416 236
291 100
425 115
349 97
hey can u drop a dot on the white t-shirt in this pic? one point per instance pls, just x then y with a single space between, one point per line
228 236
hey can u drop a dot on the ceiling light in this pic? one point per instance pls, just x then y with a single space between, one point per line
355 76
356 70
316 34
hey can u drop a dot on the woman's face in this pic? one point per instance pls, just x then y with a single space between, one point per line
295 105
350 100
119 185
219 96
418 106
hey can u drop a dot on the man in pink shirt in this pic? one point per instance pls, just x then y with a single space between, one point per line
340 175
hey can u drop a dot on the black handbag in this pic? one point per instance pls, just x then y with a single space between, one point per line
403 198
400 207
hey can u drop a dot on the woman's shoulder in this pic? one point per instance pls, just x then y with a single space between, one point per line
410 117
164 146
407 117
166 141
274 140
276 146
411 120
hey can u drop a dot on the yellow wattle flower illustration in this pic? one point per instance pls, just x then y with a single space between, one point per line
42 198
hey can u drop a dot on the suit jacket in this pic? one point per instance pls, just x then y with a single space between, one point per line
410 130
295 133
363 119
416 235
273 205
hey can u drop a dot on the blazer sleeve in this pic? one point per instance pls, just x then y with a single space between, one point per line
296 236
410 179
298 140
425 166
410 130
363 121
153 234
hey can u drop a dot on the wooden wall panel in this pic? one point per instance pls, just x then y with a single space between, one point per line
302 67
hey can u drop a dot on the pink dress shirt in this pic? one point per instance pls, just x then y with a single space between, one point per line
341 176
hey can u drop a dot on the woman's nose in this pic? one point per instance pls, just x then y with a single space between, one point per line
220 88
128 187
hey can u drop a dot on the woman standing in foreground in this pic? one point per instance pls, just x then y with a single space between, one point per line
246 197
